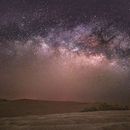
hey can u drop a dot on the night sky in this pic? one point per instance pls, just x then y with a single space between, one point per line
73 50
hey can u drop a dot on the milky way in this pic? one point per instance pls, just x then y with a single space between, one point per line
46 53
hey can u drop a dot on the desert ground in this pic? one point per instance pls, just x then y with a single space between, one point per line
53 115
105 120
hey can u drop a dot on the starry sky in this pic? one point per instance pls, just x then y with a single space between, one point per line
74 50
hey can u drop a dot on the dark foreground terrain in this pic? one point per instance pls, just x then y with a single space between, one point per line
105 120
58 115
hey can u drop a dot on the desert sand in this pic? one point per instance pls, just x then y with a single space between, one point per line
105 120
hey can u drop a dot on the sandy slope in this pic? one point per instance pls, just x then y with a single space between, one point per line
107 120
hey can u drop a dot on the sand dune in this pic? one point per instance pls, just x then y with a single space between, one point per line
25 107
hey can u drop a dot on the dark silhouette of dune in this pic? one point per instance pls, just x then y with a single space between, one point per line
24 107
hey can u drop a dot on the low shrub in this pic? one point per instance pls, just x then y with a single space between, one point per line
104 107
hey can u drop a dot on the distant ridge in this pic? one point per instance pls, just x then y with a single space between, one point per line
24 107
